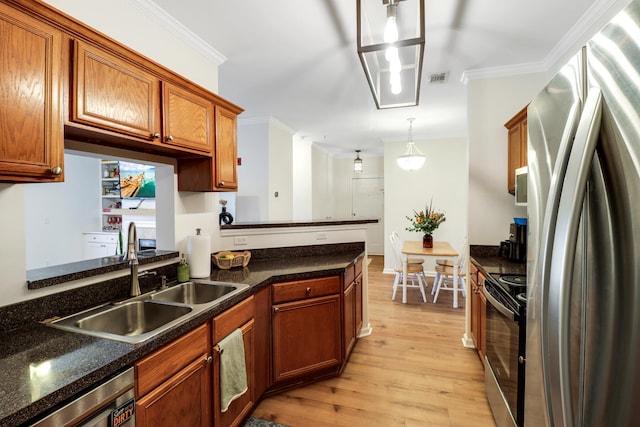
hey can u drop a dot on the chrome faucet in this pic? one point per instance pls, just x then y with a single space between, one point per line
132 257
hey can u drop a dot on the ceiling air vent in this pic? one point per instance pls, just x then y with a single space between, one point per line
439 78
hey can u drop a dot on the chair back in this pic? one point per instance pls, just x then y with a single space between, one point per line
396 249
462 258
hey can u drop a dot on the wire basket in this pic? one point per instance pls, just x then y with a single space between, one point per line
228 259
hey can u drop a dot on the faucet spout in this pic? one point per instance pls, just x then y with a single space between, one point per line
132 257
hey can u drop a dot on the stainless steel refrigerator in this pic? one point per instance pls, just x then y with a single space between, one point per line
583 272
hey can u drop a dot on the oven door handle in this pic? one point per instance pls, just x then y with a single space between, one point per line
498 305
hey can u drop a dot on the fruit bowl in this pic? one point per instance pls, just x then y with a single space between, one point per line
228 259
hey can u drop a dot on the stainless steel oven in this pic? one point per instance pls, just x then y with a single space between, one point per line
505 347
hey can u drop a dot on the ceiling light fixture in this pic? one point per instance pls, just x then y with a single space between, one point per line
413 159
357 162
391 49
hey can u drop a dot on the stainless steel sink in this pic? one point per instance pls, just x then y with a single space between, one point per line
143 317
133 318
194 292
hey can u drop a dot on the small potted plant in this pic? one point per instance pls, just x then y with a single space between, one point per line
426 222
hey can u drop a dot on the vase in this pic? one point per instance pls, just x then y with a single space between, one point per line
427 241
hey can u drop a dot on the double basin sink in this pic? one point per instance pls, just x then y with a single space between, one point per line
140 318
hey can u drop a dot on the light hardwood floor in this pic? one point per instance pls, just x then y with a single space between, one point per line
411 371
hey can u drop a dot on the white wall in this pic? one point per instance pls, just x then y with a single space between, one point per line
57 214
301 156
322 202
373 167
253 175
280 173
491 103
443 179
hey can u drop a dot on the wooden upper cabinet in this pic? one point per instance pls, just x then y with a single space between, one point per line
517 147
113 94
226 152
217 173
187 119
30 87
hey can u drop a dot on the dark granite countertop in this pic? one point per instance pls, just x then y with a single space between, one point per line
487 260
42 367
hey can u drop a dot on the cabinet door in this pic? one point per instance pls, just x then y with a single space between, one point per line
113 94
30 96
307 337
226 153
187 119
240 316
516 146
349 320
183 400
481 317
358 304
240 408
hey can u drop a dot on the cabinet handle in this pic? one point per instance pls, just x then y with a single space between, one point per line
308 290
221 184
218 349
276 309
155 135
56 170
169 138
209 360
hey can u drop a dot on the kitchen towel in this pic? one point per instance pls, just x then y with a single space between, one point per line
199 255
233 370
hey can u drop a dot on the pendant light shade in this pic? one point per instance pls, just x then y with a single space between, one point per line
357 162
413 159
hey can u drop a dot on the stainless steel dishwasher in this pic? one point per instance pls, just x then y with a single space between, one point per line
111 403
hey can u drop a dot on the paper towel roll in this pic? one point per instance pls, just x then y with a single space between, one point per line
199 255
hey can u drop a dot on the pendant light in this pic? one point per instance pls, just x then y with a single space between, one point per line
413 159
391 38
357 163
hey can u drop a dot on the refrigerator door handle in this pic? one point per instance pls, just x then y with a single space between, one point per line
562 258
548 231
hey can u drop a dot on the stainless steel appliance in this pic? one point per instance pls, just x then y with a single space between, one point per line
583 307
505 346
516 247
112 403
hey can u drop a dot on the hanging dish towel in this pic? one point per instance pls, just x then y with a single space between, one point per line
233 370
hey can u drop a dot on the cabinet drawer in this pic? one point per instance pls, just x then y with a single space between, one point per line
301 289
238 315
170 359
358 266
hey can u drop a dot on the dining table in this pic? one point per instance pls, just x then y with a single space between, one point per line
440 250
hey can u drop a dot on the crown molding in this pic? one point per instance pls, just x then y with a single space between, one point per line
579 33
175 27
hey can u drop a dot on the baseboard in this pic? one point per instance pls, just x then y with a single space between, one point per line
365 331
467 341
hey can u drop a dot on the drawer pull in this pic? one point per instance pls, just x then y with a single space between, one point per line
276 309
209 360
218 349
308 290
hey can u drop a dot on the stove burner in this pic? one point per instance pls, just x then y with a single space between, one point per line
513 280
522 297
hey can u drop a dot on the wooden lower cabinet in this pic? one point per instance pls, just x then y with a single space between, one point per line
307 333
478 311
182 400
173 384
240 316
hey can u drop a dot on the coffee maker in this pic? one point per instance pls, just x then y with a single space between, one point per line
515 249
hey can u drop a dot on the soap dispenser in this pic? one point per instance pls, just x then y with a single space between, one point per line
183 270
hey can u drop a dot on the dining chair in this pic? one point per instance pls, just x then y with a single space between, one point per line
415 271
444 274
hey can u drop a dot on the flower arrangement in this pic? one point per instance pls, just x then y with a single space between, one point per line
426 221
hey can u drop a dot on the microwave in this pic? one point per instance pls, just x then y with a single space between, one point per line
521 186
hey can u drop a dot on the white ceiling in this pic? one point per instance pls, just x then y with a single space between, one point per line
296 61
